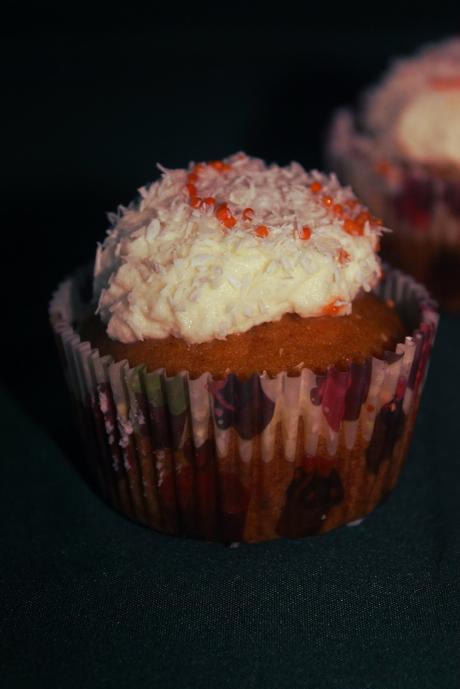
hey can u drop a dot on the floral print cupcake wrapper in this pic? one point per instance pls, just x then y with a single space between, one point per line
246 460
422 208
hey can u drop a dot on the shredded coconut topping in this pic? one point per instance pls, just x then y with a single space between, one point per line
223 246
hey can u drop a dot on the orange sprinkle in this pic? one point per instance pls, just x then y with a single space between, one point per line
195 202
248 214
219 165
362 218
262 231
316 187
209 201
327 200
338 209
305 232
192 178
191 188
352 227
442 84
342 256
331 309
224 215
351 203
198 168
383 167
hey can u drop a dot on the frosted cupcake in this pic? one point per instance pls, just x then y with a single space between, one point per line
401 153
243 372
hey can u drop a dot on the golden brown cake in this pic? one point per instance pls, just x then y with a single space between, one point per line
290 344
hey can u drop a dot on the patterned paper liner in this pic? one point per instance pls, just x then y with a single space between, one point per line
247 460
422 208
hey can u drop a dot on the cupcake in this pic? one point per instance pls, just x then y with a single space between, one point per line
242 369
400 151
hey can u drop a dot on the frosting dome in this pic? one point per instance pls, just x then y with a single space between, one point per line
415 112
224 246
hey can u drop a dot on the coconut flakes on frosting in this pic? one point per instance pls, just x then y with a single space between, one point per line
224 246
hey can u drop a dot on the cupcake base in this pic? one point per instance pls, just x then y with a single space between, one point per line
247 459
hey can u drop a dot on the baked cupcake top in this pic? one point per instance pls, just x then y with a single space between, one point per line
414 113
223 246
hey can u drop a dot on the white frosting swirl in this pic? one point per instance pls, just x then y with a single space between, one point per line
169 269
414 113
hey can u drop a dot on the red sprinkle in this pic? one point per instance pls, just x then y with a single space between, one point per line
331 309
445 84
209 201
219 165
327 200
224 215
338 209
248 214
316 187
342 256
192 178
262 231
191 188
305 232
352 227
198 168
362 217
383 167
195 202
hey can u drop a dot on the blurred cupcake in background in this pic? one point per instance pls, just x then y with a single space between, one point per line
400 151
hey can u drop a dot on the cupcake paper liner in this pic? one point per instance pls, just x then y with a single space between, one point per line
246 459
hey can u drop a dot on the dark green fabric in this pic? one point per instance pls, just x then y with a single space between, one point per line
91 600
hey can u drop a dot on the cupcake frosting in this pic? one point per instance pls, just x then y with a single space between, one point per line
223 246
415 112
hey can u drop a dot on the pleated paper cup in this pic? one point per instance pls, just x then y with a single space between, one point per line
246 459
421 206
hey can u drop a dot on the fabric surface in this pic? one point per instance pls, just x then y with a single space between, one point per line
89 599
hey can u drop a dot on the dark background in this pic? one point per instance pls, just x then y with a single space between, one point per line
93 96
